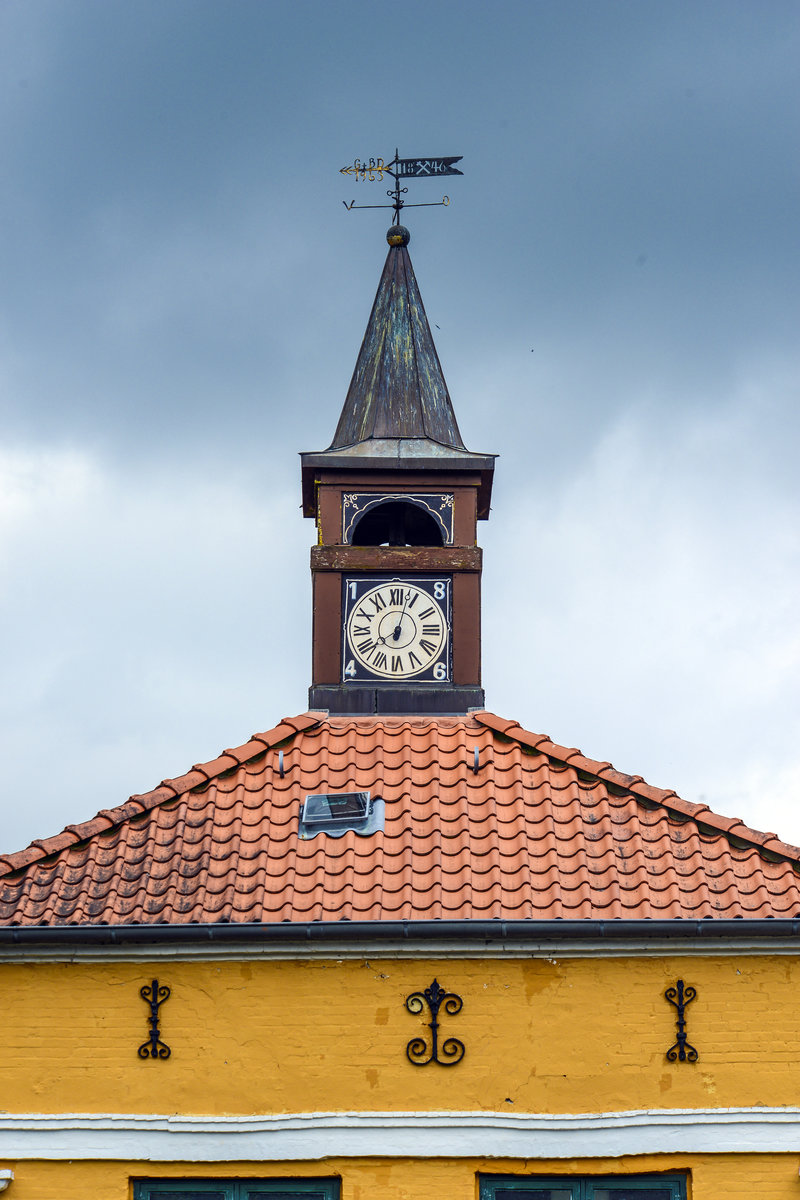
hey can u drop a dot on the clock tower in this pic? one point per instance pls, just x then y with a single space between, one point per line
396 571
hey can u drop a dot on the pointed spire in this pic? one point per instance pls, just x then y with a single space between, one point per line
397 415
398 388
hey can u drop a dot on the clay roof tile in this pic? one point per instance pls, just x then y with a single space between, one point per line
539 831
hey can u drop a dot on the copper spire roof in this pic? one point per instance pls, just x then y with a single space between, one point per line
398 411
398 389
531 831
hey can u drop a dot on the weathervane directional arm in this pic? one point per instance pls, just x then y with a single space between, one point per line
401 168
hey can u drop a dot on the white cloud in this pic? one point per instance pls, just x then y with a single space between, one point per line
154 615
656 611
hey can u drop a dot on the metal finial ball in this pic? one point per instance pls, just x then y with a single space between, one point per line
398 235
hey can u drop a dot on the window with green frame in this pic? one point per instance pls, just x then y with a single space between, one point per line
590 1187
236 1189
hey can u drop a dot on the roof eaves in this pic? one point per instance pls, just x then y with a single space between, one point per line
407 932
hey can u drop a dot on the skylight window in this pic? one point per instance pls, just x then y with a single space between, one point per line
335 813
328 808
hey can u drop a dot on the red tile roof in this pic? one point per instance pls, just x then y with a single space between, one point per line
538 832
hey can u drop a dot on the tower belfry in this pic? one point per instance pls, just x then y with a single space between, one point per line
397 496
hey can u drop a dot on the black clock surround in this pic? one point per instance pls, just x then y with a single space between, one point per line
396 629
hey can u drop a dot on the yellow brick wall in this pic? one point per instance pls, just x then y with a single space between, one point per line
581 1035
712 1177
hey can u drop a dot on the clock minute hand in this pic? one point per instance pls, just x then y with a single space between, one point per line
398 629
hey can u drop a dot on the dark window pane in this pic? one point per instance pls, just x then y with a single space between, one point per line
180 1194
545 1192
237 1190
628 1193
298 1195
635 1187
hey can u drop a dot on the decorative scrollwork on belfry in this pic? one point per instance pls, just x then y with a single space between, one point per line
155 997
680 996
438 505
417 1049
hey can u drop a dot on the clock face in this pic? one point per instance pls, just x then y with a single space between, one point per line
396 629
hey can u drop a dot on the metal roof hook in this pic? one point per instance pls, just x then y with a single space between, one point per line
477 762
280 764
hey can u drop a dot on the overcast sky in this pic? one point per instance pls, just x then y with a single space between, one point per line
614 295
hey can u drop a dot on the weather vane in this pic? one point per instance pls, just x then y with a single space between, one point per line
397 169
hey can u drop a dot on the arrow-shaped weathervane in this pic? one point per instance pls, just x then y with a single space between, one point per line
375 168
397 169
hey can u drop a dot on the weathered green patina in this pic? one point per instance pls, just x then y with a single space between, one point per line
398 388
397 413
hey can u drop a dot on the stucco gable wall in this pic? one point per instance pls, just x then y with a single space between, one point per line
541 1035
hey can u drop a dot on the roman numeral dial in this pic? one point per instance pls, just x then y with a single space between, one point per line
396 630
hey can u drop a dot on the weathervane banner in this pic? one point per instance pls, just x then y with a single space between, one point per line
420 167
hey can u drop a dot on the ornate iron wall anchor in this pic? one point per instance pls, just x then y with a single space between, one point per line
417 1048
155 997
680 996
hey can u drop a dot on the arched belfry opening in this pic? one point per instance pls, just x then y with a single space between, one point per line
397 523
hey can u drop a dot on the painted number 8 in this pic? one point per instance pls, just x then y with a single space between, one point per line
438 590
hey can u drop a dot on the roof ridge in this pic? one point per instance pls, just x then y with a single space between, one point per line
168 789
730 827
389 718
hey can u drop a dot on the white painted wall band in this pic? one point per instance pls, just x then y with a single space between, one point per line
314 1136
